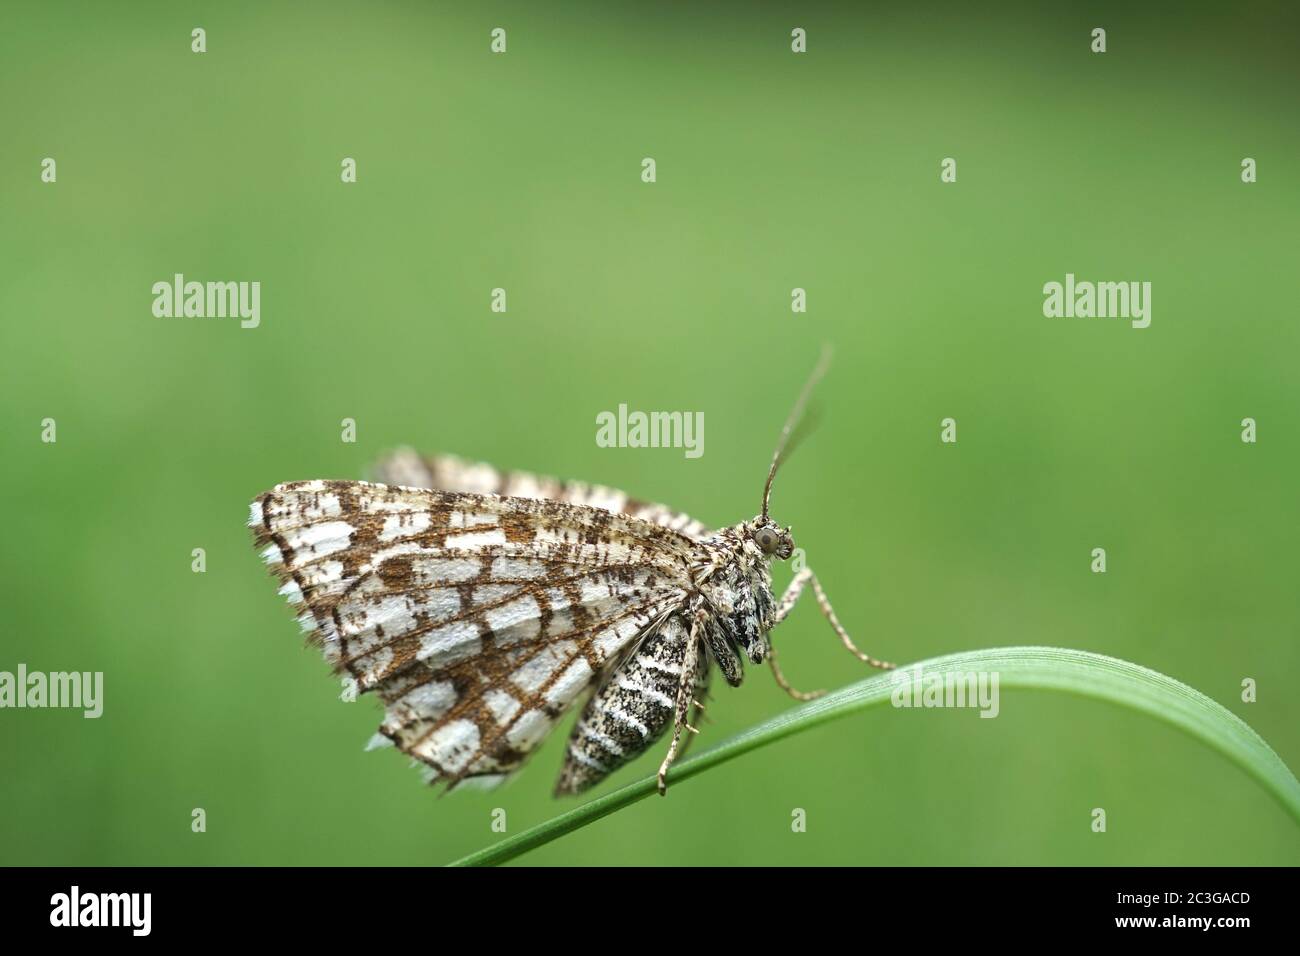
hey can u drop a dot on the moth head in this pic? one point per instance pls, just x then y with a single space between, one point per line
771 538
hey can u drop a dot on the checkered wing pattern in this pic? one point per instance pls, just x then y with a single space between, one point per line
477 618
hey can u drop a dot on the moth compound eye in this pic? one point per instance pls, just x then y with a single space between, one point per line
766 539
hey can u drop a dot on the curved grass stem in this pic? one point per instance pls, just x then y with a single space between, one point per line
1030 668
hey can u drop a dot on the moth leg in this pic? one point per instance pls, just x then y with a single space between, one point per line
682 705
791 595
785 684
698 714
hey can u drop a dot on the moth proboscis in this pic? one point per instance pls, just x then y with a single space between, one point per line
481 605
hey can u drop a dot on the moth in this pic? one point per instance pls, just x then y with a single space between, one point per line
480 606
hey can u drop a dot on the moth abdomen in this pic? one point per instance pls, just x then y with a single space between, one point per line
629 712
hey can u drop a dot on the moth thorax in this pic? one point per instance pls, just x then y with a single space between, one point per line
749 596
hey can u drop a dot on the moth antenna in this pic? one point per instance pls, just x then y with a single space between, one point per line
783 446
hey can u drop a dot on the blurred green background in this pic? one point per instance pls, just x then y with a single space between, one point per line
775 170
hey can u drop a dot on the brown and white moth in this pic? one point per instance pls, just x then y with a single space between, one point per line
480 606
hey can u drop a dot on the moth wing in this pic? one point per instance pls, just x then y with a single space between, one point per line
449 473
477 619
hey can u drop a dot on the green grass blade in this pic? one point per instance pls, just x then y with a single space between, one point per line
1034 668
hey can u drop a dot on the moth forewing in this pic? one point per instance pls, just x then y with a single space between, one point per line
477 619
